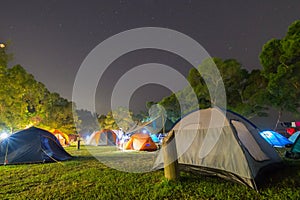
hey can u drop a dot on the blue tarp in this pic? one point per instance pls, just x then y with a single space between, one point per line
275 139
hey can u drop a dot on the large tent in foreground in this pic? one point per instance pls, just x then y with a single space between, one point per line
213 142
32 145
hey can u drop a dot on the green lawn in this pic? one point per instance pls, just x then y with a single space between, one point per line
84 177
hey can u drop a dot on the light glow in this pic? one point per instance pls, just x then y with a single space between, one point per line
3 136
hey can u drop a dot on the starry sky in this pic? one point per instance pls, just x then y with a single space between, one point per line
50 38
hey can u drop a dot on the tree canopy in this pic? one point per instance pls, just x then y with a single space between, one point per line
280 59
25 102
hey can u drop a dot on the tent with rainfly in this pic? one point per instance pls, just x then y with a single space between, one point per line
215 142
275 139
62 137
140 142
32 145
104 137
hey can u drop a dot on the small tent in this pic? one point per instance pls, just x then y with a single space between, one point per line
275 139
214 142
296 146
294 153
293 137
140 142
104 137
31 145
62 137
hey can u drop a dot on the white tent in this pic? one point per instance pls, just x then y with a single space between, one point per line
223 144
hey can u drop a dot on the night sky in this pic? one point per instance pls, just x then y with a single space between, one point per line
50 39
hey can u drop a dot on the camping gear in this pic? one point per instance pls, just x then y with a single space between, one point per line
104 137
214 142
275 139
293 137
140 142
32 145
291 131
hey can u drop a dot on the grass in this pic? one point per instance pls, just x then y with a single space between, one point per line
84 177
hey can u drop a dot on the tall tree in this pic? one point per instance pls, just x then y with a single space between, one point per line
280 59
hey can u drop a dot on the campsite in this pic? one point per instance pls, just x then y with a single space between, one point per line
102 170
150 99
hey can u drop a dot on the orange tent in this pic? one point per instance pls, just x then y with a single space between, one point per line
141 142
103 137
62 137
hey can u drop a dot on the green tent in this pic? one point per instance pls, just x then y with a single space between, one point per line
296 145
294 153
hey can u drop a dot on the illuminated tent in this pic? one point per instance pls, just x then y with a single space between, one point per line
275 139
32 145
104 137
225 144
140 142
62 137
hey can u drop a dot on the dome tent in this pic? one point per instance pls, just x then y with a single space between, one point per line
214 142
63 138
141 142
32 145
104 137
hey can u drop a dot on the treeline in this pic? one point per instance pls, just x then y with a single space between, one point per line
251 94
24 101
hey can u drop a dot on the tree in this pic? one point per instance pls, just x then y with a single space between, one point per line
280 59
88 121
59 114
243 89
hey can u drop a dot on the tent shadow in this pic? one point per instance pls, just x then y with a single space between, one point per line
279 175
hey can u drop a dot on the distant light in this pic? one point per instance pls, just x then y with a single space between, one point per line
3 136
2 45
144 131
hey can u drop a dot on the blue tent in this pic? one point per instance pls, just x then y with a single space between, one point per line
275 139
293 137
32 145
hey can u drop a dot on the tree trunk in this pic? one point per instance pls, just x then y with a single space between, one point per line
278 119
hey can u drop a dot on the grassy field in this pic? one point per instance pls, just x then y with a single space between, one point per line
84 177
